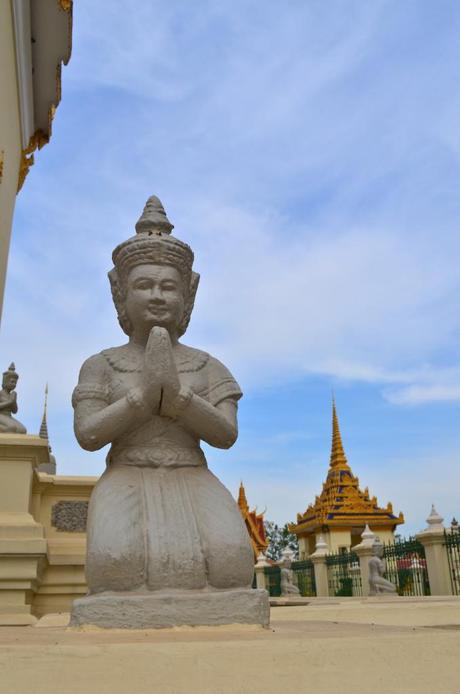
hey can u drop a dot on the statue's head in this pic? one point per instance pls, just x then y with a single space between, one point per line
152 280
287 557
377 548
10 378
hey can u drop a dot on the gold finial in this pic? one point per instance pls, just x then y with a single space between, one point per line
242 501
338 457
43 434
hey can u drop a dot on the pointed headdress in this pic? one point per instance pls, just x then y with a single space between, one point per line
11 371
153 244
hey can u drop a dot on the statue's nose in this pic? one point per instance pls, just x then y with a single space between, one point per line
156 294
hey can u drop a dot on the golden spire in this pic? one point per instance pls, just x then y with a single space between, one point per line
242 501
338 457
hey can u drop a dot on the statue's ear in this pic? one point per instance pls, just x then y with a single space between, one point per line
190 301
118 300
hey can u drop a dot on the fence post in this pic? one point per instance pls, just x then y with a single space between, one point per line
432 539
319 562
364 552
259 569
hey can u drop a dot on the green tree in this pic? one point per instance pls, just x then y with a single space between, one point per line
279 538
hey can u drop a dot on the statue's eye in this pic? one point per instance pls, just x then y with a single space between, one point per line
142 284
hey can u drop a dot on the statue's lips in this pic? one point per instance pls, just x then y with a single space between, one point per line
158 310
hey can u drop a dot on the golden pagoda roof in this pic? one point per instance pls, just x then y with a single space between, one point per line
342 502
254 523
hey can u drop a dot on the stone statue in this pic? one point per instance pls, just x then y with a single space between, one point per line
288 587
9 404
166 543
378 584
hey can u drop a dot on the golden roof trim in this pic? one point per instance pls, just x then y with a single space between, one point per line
39 138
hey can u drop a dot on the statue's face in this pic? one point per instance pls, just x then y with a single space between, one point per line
154 296
9 382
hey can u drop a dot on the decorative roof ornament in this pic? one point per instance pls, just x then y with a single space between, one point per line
43 433
254 523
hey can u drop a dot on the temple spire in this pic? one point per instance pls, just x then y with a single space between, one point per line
242 501
338 457
43 433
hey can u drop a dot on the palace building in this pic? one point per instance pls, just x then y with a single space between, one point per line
342 510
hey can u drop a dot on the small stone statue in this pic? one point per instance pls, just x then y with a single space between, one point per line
378 584
9 404
288 587
166 543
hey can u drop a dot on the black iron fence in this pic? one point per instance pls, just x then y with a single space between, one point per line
344 574
304 578
452 544
304 575
406 567
273 579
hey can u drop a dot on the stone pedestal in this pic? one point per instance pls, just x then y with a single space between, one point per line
22 542
168 608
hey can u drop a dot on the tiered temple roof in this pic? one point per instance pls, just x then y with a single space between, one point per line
342 502
254 523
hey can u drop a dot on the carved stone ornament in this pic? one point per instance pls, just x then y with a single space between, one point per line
69 516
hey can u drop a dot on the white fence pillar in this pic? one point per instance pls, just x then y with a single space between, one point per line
259 569
319 562
437 562
364 552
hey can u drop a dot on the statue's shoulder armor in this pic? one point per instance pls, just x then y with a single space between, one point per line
190 359
125 358
93 382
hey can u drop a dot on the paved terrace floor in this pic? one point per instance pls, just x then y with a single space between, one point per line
387 646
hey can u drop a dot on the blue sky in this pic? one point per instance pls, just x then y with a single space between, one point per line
310 154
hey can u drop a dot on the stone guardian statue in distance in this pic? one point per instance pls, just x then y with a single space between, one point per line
377 583
166 541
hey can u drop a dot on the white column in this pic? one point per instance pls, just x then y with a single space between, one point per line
364 552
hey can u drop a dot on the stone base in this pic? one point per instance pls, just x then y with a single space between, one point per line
170 608
18 619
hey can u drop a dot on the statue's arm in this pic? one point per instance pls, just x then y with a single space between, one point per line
9 403
215 424
96 422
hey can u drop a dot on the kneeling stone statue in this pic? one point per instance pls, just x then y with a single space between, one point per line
377 583
166 542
